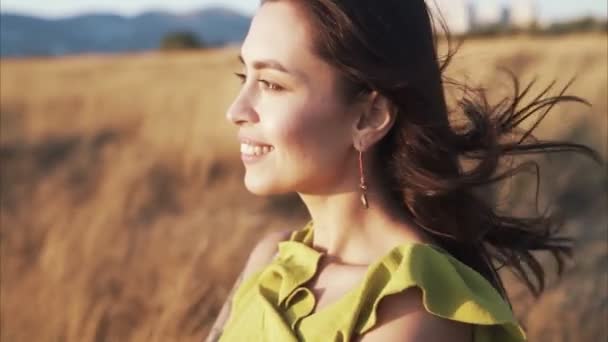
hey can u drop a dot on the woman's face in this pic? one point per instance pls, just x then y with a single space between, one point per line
291 103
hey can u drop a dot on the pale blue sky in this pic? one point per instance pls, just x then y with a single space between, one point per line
549 9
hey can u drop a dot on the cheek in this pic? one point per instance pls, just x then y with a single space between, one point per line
312 136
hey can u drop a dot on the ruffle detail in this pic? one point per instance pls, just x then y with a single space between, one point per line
281 283
275 304
451 290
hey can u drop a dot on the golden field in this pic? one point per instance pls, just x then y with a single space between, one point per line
124 216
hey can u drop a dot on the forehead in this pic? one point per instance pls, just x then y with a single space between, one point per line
279 30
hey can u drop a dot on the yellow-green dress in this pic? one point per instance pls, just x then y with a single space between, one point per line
274 305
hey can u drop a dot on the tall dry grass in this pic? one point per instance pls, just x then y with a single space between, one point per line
124 216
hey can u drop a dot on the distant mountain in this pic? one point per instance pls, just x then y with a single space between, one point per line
26 36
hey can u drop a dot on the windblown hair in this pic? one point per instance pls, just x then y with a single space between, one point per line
390 46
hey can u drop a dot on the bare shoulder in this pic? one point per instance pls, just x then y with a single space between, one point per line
402 317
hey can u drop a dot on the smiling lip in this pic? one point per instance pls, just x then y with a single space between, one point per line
247 140
252 159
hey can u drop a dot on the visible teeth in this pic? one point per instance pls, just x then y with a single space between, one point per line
256 150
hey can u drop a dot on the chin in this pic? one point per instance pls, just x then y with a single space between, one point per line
260 186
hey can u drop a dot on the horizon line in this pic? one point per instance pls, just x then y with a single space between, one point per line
240 11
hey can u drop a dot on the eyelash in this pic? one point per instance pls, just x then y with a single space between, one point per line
267 85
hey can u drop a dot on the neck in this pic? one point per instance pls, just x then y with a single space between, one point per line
349 233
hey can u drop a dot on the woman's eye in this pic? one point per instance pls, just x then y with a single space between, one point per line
270 86
242 77
265 84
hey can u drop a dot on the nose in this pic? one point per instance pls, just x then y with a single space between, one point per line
241 112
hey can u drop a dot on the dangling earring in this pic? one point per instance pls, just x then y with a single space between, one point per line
363 185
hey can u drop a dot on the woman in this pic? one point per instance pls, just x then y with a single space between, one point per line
343 103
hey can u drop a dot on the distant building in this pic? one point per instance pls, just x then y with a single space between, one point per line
456 14
488 13
523 13
463 16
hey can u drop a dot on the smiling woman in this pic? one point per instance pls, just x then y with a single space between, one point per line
399 247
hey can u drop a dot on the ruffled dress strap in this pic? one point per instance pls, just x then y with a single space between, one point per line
276 305
450 289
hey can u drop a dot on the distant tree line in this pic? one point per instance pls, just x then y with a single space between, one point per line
181 40
185 40
581 25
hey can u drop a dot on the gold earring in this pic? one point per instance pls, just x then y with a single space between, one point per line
363 185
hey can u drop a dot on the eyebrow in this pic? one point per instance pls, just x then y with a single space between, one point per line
267 64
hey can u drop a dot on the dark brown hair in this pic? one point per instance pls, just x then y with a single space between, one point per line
390 46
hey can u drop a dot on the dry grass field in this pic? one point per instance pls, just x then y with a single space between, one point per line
124 216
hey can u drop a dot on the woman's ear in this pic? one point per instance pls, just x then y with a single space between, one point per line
377 118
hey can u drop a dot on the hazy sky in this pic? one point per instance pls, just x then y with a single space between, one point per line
550 9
